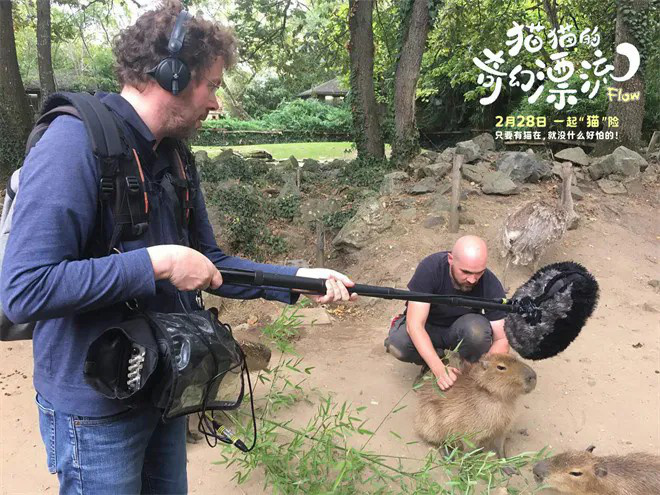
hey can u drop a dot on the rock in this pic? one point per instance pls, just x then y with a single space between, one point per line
447 155
315 208
498 183
370 219
393 183
201 158
440 203
313 316
424 186
437 170
651 174
469 149
289 188
485 142
431 155
611 187
290 164
416 163
523 167
655 283
474 173
259 155
621 161
444 188
574 155
311 165
432 222
577 193
334 164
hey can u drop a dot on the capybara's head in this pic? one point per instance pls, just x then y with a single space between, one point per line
574 472
503 375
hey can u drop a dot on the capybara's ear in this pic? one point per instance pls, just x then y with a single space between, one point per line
590 449
600 470
484 364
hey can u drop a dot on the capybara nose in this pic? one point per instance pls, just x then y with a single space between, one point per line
540 471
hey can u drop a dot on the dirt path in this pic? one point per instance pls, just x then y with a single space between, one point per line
603 390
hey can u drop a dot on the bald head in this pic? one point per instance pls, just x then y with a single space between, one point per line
467 262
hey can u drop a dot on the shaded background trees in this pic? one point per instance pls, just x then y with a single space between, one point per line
413 74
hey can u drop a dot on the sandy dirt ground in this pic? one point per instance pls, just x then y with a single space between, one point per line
603 390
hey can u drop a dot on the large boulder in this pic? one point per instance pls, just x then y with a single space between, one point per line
437 170
370 219
424 186
574 155
475 173
523 167
611 187
498 183
621 162
485 142
313 209
393 183
469 149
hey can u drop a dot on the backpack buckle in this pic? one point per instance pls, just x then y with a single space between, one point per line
107 187
139 228
132 184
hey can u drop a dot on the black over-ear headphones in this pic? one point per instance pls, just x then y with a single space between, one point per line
172 73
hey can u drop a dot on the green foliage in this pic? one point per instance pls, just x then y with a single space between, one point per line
365 172
338 219
264 96
287 207
643 24
328 453
244 217
310 115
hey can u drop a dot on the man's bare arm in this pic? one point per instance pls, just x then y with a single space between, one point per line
500 342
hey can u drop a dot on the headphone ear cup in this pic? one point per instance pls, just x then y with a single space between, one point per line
172 74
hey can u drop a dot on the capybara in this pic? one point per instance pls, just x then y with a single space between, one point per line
583 473
480 404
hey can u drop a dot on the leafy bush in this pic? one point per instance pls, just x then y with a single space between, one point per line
310 115
365 173
264 96
287 207
244 216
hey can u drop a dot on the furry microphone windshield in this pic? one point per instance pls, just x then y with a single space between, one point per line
565 295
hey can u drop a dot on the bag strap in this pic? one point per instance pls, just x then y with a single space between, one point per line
121 186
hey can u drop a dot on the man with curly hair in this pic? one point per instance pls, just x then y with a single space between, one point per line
95 444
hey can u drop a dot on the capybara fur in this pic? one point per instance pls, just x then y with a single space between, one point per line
480 404
583 473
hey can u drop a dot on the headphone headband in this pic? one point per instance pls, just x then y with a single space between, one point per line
178 33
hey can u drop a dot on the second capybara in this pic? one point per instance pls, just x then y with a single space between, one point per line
583 473
480 404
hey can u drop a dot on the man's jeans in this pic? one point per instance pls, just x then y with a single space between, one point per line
471 330
128 453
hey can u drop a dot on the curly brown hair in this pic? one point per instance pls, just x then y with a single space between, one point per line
140 47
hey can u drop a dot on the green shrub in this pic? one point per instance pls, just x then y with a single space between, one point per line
365 173
287 207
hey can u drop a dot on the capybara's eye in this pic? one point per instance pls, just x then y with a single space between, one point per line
500 367
575 473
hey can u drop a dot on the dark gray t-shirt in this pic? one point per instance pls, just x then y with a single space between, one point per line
432 276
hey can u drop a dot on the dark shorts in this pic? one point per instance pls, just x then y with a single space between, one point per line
472 331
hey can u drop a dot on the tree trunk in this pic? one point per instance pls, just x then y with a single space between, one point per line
46 77
236 109
630 113
415 29
15 114
366 120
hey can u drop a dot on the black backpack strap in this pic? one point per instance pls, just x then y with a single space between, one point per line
184 171
122 181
